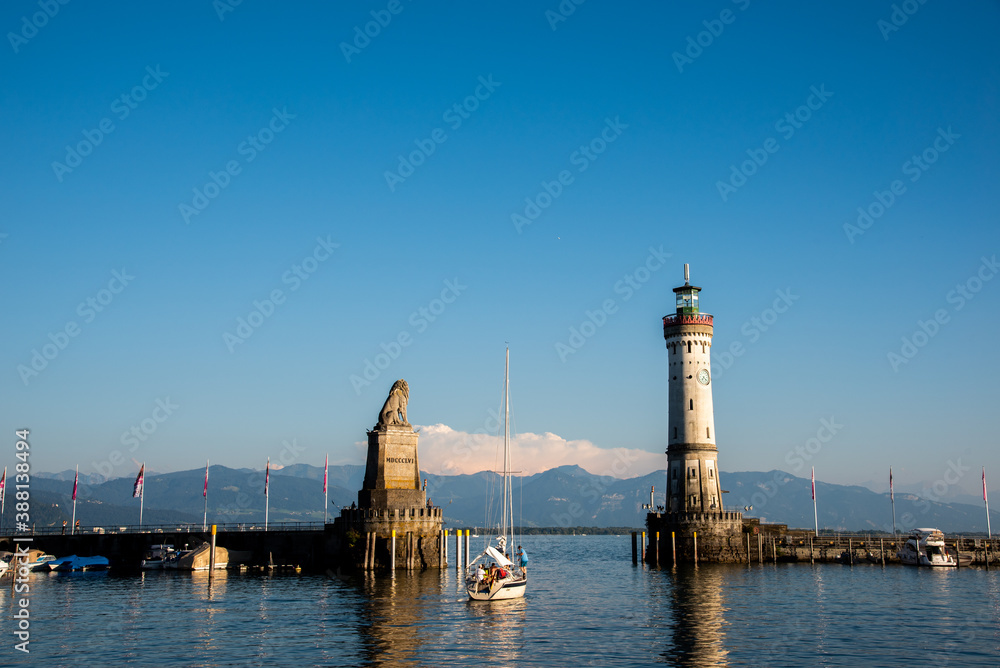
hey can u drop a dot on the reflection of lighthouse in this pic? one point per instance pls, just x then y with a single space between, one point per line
692 473
694 520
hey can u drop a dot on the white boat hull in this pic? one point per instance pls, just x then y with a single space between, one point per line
505 590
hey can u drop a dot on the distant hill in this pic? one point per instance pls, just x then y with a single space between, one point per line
566 496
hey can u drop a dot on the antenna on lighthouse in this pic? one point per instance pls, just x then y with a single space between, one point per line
687 274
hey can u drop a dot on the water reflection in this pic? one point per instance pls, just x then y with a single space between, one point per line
418 618
698 625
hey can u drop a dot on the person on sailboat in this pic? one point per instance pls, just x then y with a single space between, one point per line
523 557
480 576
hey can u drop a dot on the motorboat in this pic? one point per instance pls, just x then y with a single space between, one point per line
41 563
925 547
156 557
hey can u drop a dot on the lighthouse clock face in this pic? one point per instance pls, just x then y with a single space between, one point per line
703 377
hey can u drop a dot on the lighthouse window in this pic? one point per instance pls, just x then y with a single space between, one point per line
708 433
690 404
675 473
691 472
675 432
689 346
711 473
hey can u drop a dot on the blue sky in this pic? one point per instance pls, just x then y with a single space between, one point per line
308 129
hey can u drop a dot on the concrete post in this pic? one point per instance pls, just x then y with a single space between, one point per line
392 553
695 547
635 550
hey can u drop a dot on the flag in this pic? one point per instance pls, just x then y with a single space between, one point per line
892 496
75 480
984 484
205 493
3 482
814 482
137 488
267 475
326 467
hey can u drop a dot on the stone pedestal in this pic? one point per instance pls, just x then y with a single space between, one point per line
392 474
720 537
391 501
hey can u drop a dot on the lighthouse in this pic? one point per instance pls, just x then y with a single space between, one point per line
692 457
693 526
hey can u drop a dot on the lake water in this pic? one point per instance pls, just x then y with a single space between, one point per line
586 605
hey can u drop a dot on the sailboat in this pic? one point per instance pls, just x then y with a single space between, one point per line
492 575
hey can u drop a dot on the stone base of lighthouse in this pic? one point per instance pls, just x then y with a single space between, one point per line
705 537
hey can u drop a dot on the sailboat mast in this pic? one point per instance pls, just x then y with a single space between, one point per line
506 442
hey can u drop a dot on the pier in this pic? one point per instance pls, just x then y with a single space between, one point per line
776 543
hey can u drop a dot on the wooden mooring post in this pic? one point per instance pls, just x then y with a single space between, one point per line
748 549
443 557
458 549
642 545
760 549
812 558
850 551
656 548
635 549
695 533
392 553
881 550
673 546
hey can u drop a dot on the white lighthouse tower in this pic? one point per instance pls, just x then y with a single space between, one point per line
692 458
694 518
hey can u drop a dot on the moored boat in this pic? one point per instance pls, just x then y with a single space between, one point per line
925 547
75 563
157 556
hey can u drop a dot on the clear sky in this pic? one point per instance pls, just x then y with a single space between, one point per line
467 176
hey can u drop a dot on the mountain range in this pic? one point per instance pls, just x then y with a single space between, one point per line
566 496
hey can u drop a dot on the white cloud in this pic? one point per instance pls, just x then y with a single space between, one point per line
442 450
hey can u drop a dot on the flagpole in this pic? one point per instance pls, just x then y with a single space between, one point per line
892 499
204 523
986 499
815 513
326 501
3 495
142 492
72 527
267 498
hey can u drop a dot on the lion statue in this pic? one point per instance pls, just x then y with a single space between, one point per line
394 409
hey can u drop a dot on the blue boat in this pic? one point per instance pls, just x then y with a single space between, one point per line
75 563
